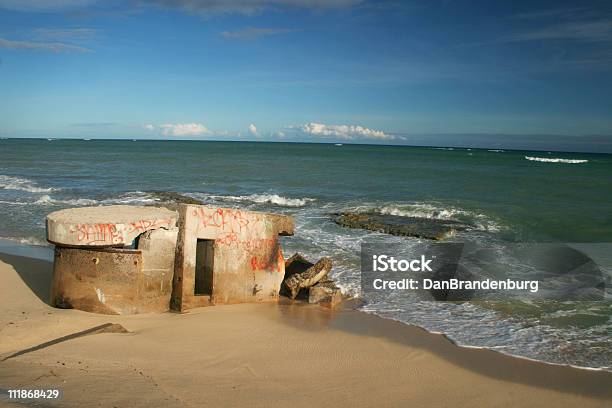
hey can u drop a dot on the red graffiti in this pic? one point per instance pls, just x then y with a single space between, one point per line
270 265
231 239
226 219
145 225
258 265
96 233
228 239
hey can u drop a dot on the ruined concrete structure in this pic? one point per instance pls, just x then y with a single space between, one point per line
114 260
228 256
137 259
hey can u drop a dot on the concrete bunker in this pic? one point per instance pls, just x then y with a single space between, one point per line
113 259
226 255
139 259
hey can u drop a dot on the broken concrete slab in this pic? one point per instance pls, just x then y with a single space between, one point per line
325 293
428 228
296 264
106 226
306 278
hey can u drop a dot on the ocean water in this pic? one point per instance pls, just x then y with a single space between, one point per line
507 196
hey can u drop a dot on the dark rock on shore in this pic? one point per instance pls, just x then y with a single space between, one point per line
418 227
171 200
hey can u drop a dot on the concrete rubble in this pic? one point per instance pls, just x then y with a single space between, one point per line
140 259
311 280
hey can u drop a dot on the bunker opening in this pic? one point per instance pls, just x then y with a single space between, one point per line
205 255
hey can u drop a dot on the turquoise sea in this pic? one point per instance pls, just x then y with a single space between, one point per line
507 196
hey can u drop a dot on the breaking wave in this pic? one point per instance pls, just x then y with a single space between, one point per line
555 160
134 197
48 200
426 210
262 199
22 184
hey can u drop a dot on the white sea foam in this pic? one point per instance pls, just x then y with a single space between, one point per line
13 202
421 211
555 160
134 197
32 241
261 199
44 200
496 150
426 210
48 200
22 184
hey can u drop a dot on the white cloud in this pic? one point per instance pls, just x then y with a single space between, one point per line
594 31
148 126
44 5
184 129
347 132
64 34
41 46
253 130
249 7
253 32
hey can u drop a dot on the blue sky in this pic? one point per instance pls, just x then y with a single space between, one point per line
336 70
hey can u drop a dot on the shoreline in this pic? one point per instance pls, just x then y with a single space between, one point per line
45 253
282 340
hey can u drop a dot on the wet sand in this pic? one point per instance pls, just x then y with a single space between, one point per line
258 355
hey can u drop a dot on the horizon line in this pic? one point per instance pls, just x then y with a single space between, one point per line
336 143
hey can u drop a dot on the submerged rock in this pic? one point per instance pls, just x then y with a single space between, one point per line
419 227
303 274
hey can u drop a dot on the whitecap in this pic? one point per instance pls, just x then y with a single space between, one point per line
132 197
22 184
48 200
31 241
14 203
431 211
262 199
555 160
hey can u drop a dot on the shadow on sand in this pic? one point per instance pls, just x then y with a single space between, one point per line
36 273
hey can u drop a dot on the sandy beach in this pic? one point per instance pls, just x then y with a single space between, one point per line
258 355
